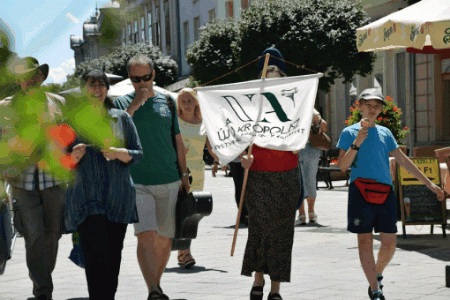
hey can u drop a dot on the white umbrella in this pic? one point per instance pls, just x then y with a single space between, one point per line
424 24
125 87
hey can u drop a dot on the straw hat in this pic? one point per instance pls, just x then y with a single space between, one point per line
22 67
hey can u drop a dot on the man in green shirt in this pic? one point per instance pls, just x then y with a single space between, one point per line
156 178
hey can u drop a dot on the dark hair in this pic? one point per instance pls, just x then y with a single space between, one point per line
273 68
97 75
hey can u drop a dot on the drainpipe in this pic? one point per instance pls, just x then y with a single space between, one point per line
412 78
180 64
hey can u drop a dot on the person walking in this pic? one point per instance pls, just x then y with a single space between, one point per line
39 196
309 164
194 139
365 147
156 178
101 200
272 195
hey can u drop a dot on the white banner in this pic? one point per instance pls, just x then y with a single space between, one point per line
273 113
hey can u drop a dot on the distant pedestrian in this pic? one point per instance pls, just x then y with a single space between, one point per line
190 121
309 164
40 196
365 147
157 177
101 200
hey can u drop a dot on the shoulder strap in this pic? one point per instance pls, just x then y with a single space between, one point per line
171 105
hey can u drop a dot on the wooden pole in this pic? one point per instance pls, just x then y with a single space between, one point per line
249 154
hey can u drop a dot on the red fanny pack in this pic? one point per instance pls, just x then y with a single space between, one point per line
373 191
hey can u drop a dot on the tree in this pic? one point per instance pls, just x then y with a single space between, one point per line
166 68
319 34
214 54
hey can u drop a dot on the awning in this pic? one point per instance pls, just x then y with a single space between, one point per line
426 23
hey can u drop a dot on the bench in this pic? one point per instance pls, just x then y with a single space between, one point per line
328 171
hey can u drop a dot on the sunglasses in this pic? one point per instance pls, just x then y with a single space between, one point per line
137 79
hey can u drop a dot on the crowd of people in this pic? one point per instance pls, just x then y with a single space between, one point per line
134 176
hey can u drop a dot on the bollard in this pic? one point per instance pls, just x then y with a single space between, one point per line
447 276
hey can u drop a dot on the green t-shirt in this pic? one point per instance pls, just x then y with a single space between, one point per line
153 122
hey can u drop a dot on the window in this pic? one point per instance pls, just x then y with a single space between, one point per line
186 35
130 36
196 28
149 21
142 29
212 14
124 35
135 33
167 24
229 9
157 27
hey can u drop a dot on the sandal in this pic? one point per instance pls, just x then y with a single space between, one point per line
301 220
155 295
162 296
257 292
274 296
312 217
186 261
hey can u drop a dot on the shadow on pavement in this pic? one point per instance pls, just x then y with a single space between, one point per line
192 270
433 245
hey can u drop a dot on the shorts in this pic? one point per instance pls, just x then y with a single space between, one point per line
309 164
156 206
364 217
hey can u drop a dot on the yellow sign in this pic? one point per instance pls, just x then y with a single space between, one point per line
428 166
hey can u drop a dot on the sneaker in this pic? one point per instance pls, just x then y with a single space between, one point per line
377 295
379 278
301 220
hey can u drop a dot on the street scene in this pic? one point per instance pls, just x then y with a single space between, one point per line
225 149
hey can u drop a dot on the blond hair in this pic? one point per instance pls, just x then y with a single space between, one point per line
192 93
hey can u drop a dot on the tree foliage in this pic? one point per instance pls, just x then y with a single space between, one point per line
317 34
166 68
215 53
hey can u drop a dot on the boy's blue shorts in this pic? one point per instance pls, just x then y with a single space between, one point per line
364 217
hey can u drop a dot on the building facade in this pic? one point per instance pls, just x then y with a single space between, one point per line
418 83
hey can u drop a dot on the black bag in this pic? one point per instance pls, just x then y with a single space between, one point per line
207 157
5 235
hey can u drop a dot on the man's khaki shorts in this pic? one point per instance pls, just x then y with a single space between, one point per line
156 208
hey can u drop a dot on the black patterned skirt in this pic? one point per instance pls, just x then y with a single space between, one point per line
271 199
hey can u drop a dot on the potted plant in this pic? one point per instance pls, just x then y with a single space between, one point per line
389 117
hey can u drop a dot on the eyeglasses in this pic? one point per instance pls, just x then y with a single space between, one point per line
137 79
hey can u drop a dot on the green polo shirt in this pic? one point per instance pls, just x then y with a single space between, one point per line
153 122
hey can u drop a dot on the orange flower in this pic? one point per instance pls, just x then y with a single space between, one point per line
346 121
406 128
387 123
357 102
351 117
389 99
380 118
351 108
395 108
385 118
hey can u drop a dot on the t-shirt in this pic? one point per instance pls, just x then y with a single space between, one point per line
372 159
153 122
273 160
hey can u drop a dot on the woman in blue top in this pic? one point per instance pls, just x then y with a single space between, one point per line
101 198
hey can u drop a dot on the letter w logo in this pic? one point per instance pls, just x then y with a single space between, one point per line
242 115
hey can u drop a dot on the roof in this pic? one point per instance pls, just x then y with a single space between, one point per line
90 29
112 4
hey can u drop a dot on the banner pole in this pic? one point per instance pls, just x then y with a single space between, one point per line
244 184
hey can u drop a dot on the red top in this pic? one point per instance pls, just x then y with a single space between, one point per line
273 160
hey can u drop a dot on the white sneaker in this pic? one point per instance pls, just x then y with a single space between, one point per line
312 217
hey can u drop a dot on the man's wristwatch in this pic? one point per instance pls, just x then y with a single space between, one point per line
354 147
184 174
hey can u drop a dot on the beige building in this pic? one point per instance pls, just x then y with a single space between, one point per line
418 83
